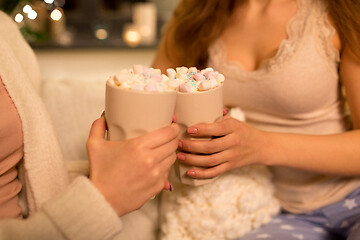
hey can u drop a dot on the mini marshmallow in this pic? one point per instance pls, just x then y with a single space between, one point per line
126 85
181 76
156 71
192 70
211 75
220 78
213 83
185 87
204 85
182 70
156 77
199 77
206 70
119 78
171 72
138 69
164 78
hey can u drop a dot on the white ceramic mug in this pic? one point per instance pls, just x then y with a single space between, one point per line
131 114
194 108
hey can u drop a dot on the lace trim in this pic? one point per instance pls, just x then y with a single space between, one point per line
324 33
287 48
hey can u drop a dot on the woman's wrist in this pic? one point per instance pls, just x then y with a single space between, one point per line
269 150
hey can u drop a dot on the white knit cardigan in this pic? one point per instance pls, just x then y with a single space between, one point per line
53 207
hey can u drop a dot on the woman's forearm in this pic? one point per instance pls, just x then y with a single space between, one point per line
337 154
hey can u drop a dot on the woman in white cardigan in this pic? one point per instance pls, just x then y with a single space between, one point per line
48 204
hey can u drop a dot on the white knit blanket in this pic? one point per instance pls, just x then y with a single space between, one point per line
232 205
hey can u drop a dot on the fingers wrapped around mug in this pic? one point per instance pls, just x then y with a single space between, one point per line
232 144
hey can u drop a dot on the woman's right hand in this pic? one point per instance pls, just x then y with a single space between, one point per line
129 173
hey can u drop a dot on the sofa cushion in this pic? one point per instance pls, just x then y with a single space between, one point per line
73 105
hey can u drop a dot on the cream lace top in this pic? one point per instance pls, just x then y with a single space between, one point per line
296 91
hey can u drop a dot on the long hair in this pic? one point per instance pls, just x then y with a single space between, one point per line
346 15
197 24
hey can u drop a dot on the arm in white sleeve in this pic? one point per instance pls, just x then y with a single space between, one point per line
80 212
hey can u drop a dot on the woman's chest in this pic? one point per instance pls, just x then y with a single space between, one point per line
293 85
254 36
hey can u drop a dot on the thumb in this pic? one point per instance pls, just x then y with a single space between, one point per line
98 128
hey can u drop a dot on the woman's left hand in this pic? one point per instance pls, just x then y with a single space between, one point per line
233 144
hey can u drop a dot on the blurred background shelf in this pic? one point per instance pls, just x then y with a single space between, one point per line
69 24
90 39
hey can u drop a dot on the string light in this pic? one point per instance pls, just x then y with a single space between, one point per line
32 14
132 37
19 18
101 34
49 1
56 14
27 9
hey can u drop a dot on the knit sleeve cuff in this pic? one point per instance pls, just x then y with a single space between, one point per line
82 213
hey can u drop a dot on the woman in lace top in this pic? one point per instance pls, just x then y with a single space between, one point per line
288 65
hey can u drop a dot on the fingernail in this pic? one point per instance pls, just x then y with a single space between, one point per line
171 188
191 173
180 156
180 144
192 130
